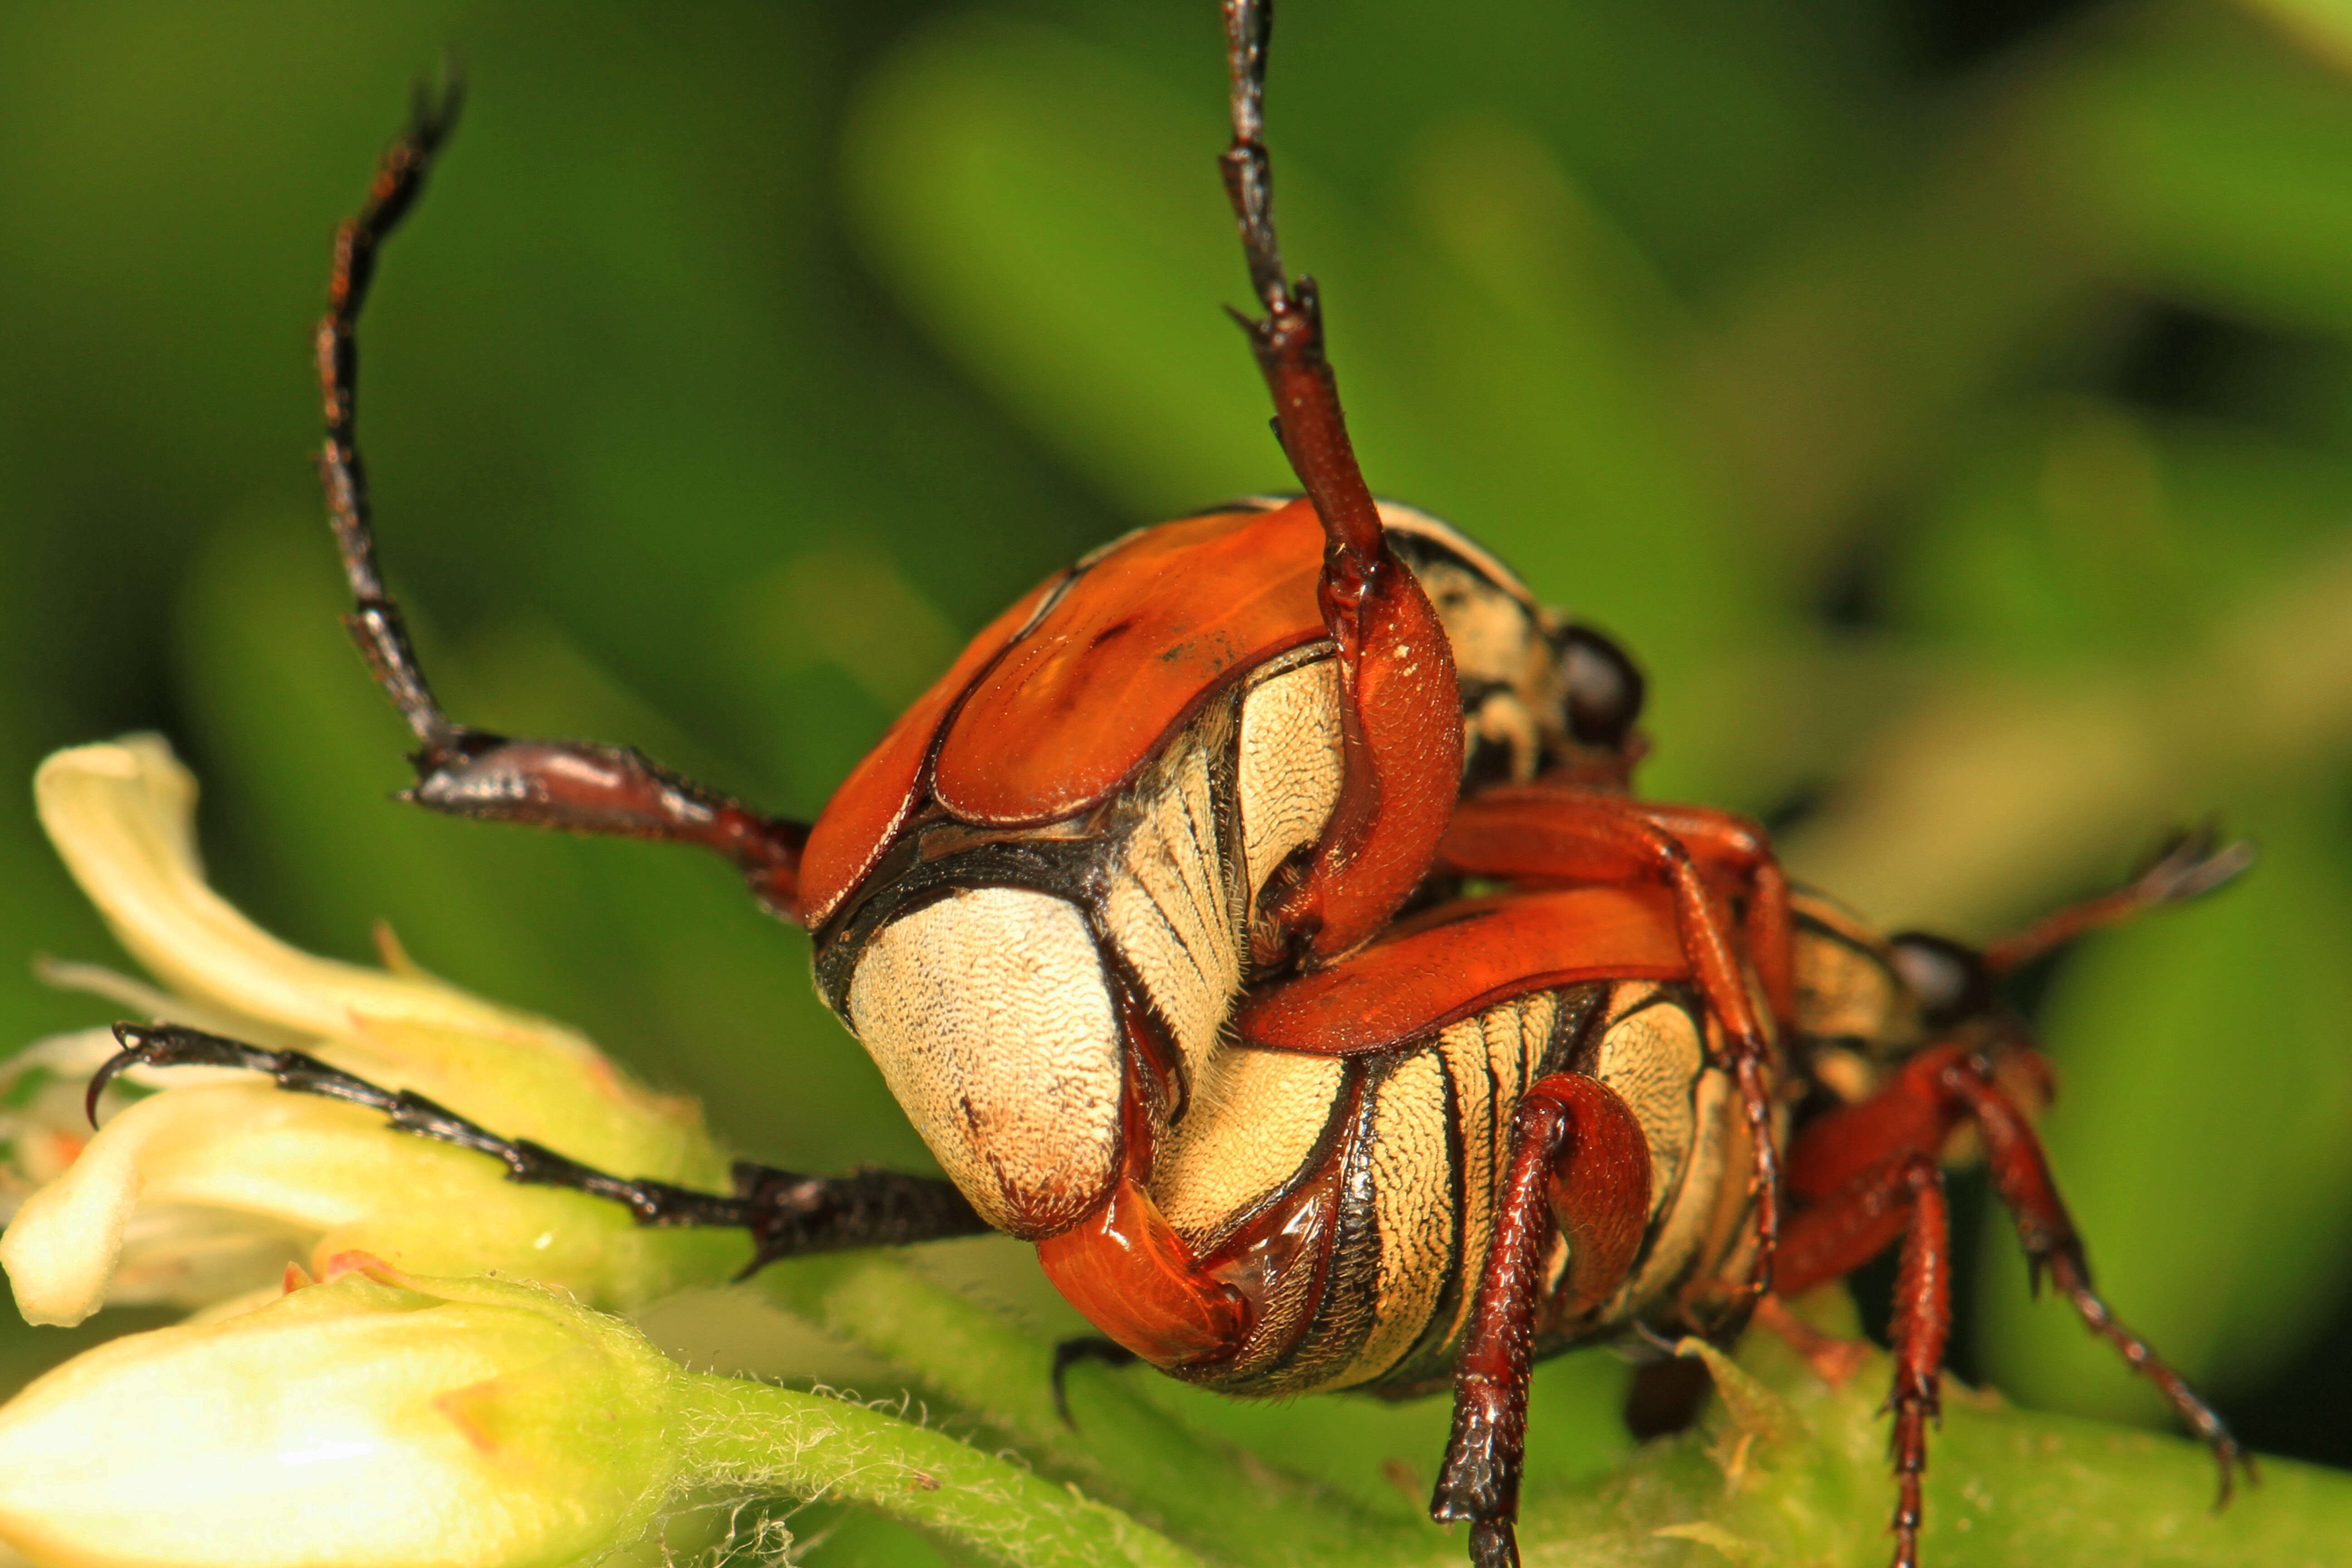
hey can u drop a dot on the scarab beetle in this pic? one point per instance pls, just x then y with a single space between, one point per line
1169 915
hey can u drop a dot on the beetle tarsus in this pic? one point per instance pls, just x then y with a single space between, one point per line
376 624
788 1214
2230 1457
1085 1348
1494 1544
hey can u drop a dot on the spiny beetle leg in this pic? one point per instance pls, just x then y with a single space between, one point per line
1732 851
1579 1165
788 1214
1846 1219
1903 1195
2190 866
1538 833
470 773
2021 1175
1401 724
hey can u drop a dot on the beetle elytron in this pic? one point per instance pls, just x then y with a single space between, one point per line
1152 913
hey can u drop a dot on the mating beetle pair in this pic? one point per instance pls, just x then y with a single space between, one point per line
1168 914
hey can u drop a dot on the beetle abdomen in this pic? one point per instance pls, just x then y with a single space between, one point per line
1353 1199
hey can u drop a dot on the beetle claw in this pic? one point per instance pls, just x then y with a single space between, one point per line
1069 1353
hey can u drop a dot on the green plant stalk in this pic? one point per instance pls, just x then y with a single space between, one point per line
1783 1469
752 1438
1220 1499
1797 1472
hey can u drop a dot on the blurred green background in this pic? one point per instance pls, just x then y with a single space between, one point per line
1950 403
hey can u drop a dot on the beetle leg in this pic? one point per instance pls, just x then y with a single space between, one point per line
787 1214
1911 1117
464 771
2021 1175
1732 851
1126 1270
1400 711
1068 1353
1548 832
1580 1168
1580 836
2194 864
1902 1194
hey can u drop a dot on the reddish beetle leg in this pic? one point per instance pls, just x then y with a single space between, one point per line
1579 1170
1537 833
1400 712
568 784
1866 1173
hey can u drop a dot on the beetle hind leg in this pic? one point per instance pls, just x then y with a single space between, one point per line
461 770
1399 709
788 1214
2020 1173
1579 1167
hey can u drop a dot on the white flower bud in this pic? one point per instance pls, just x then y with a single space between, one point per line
373 1419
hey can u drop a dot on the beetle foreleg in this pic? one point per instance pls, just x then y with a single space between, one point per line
1843 1167
1900 1195
788 1214
1580 1168
468 773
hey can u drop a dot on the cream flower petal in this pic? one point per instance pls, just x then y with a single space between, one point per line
199 1194
204 1189
374 1419
122 816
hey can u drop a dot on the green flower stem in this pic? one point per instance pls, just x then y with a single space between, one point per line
1225 1501
1784 1469
738 1435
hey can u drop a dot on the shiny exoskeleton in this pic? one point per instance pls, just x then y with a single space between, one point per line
1257 917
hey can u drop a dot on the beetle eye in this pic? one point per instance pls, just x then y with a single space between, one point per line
1948 979
1604 689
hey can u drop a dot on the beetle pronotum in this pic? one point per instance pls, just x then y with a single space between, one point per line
1152 913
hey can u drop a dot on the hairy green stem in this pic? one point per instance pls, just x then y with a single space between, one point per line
752 1438
1220 1499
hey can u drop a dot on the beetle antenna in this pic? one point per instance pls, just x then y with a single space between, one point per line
1288 340
375 624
